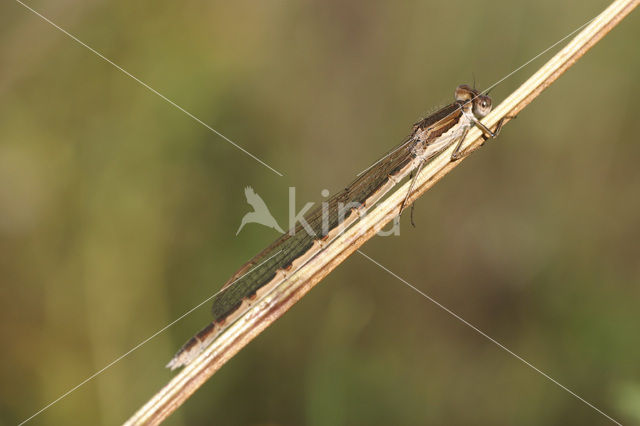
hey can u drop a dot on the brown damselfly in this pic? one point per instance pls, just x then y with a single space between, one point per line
430 137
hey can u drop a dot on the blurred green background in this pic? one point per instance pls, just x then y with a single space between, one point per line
118 212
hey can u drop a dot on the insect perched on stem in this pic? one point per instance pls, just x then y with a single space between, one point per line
430 137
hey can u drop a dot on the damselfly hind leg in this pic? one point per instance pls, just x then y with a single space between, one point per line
413 205
413 182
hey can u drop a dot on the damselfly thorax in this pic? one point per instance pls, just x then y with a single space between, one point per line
433 136
436 133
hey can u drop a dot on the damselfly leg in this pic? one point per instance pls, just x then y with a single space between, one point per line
486 134
413 182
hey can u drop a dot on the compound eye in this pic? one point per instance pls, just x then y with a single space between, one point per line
482 105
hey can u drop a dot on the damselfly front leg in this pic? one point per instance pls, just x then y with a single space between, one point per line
486 134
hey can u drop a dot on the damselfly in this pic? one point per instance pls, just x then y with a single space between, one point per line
430 136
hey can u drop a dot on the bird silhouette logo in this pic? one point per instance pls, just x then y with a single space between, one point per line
260 213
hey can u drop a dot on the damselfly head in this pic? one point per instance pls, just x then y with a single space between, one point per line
481 105
464 93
